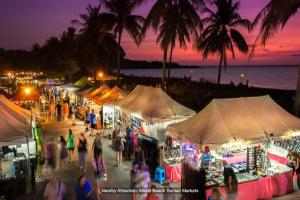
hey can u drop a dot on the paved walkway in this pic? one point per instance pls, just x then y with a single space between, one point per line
117 176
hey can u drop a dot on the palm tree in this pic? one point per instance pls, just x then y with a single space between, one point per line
274 16
96 46
220 34
120 18
175 20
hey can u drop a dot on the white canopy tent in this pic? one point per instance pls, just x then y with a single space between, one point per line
14 122
246 118
153 105
155 108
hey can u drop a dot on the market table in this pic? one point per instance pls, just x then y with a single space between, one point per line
279 159
263 188
173 172
236 159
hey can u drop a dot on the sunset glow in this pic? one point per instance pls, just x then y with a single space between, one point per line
33 21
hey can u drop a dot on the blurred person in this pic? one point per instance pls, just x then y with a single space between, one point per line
118 146
152 195
97 145
215 194
230 180
93 121
70 144
87 119
46 109
73 114
63 153
99 172
82 152
55 189
133 179
52 110
65 110
50 155
143 180
83 188
58 111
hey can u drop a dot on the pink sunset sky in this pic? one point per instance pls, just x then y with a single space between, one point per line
26 22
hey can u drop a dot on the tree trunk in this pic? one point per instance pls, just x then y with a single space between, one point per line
119 56
170 61
169 68
163 71
297 97
220 70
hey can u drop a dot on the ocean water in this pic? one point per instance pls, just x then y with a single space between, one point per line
278 77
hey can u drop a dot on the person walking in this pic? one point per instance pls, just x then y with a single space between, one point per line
93 121
118 149
52 110
63 153
50 156
143 180
97 145
70 144
58 111
133 179
55 189
87 119
82 152
99 172
65 110
83 188
73 114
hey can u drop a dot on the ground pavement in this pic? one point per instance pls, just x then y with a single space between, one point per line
117 176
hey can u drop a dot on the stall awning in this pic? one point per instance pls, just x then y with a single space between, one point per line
246 118
99 91
14 121
153 105
85 90
82 82
111 96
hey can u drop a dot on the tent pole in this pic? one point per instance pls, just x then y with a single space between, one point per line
28 159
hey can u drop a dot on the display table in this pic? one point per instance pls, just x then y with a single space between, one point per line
279 159
173 172
263 188
236 159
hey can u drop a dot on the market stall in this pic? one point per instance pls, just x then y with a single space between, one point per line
16 141
80 94
149 111
241 131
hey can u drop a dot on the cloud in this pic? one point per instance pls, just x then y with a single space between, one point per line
295 55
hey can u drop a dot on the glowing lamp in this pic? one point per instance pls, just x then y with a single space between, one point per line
100 74
27 90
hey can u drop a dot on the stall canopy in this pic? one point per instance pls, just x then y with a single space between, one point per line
14 121
84 90
111 96
82 82
246 118
153 105
99 91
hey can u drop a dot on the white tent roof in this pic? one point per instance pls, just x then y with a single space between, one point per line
225 120
152 104
69 87
13 122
